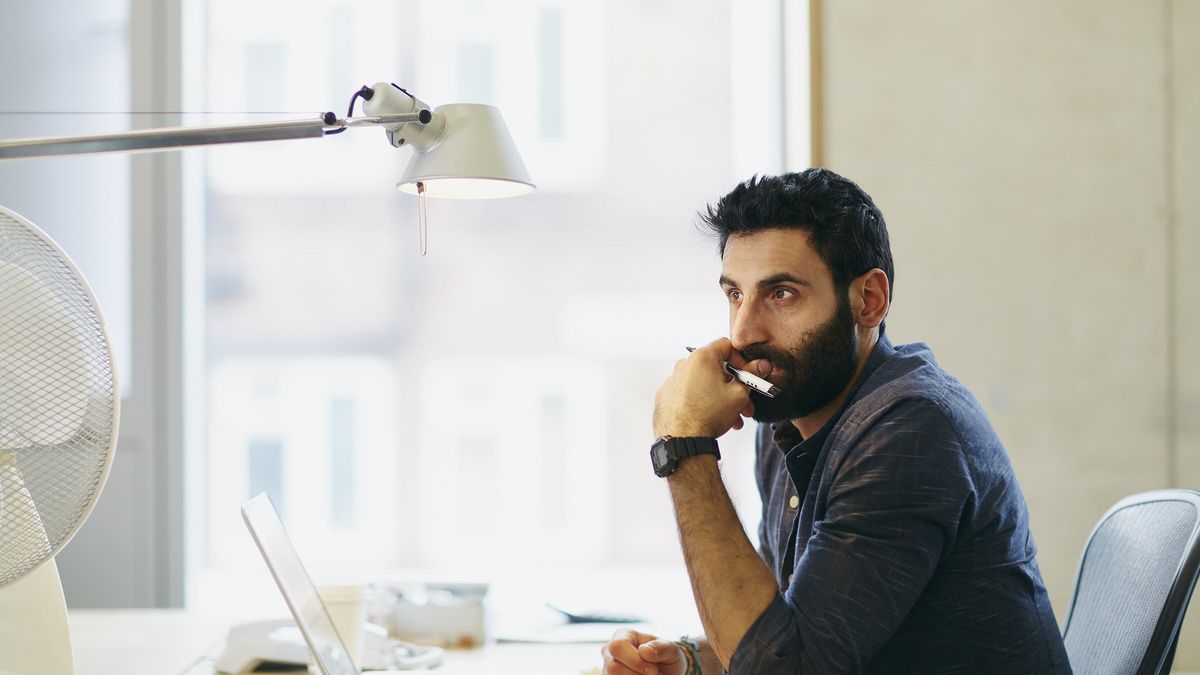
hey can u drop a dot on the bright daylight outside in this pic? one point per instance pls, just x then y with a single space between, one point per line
481 413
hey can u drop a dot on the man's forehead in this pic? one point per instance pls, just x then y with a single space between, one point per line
765 253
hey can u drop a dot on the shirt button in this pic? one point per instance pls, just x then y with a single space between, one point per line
789 580
794 501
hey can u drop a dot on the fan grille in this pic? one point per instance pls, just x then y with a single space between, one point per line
57 399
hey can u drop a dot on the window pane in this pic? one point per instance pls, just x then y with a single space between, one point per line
486 407
67 74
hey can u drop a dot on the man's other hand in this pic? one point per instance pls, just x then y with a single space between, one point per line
699 399
634 653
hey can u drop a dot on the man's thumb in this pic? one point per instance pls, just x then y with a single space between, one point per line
660 651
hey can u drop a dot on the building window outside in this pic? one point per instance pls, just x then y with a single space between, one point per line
342 461
551 62
264 468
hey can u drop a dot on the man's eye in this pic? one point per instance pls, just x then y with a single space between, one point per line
782 293
734 295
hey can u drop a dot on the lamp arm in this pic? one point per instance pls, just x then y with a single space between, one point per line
181 137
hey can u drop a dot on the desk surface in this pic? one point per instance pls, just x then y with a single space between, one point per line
179 642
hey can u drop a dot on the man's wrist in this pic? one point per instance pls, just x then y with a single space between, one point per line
680 431
668 453
691 655
695 469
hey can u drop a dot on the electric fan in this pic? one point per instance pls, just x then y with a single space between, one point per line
59 407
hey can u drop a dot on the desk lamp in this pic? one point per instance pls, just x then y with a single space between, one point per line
59 399
462 150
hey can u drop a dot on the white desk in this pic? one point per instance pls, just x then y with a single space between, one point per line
179 642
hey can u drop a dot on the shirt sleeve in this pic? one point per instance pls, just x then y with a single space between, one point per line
898 486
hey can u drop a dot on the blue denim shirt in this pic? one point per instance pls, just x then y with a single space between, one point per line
910 544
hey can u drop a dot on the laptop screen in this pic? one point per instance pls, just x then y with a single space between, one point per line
297 588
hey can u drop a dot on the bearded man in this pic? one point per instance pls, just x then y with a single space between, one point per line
894 536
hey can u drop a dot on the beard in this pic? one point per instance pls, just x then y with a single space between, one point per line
814 372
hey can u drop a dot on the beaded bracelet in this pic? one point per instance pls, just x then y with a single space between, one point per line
691 651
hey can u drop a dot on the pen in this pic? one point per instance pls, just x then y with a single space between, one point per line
749 379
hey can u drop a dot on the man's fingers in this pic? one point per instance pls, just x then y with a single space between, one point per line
632 636
760 367
708 355
737 360
723 348
738 423
615 668
748 410
622 656
738 400
625 652
661 652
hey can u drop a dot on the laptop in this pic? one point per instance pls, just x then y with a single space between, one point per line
298 591
328 649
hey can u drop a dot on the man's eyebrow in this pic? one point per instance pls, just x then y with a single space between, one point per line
782 277
771 280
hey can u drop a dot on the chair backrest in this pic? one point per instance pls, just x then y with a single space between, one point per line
1134 581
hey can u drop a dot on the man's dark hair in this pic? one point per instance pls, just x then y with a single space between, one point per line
845 227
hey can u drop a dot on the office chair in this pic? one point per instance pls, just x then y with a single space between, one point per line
1134 581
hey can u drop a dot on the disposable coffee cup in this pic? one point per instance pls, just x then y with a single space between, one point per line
347 607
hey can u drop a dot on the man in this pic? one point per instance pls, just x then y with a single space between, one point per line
894 537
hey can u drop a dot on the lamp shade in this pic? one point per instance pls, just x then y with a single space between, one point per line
474 157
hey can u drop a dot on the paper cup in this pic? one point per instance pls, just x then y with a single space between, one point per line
347 606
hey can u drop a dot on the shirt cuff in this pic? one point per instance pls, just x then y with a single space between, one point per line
772 645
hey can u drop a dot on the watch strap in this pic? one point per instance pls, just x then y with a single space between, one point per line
679 449
683 448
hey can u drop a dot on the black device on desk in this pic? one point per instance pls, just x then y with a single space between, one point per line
584 616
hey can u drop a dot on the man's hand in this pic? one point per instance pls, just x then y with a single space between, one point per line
631 652
699 399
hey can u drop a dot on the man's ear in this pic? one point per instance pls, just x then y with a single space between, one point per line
870 298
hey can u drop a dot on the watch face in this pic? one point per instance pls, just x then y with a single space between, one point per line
659 455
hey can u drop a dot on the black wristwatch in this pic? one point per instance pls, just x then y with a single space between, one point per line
668 451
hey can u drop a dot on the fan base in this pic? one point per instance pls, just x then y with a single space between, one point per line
34 636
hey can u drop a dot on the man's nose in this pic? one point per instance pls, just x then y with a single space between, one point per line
747 325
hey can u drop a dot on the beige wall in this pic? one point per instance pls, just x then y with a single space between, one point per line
1185 162
1038 164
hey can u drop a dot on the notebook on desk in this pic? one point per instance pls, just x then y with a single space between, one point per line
313 620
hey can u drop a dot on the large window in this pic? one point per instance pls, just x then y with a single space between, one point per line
484 410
